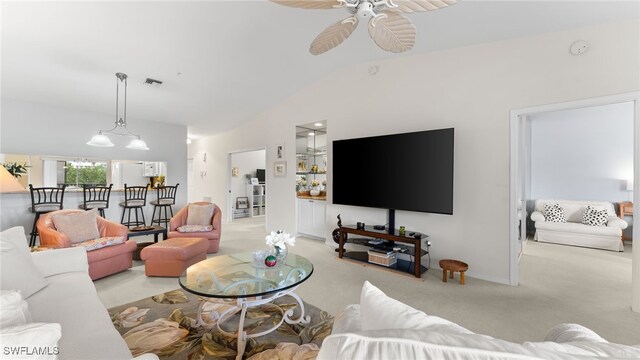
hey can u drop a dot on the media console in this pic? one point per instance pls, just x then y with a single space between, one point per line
414 247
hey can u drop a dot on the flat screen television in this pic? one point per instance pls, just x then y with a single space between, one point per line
260 175
409 171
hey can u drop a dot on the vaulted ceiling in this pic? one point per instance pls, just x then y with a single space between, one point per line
224 62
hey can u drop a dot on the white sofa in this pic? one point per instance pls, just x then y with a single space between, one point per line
383 328
68 298
573 232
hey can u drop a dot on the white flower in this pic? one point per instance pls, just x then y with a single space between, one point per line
279 238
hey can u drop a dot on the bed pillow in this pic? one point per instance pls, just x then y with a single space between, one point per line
78 226
15 311
595 217
378 312
200 214
554 213
17 270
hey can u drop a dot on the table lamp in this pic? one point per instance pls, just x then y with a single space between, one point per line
8 183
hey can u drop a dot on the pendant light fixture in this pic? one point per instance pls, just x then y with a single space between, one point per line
120 128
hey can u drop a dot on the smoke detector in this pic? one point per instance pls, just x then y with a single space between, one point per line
153 82
579 47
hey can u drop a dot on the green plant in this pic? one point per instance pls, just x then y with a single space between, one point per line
15 169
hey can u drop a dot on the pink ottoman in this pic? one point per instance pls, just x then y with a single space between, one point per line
172 257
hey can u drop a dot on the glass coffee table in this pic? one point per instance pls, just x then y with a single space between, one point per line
248 283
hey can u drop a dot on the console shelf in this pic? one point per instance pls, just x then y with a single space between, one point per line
410 244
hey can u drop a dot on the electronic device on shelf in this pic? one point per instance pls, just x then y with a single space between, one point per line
260 174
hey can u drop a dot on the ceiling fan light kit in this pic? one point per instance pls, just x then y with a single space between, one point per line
120 128
388 28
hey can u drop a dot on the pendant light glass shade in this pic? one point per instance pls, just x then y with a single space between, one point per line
137 144
120 127
100 140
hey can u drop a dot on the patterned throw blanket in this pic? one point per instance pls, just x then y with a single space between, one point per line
166 325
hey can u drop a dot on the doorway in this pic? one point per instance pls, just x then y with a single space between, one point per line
247 185
519 172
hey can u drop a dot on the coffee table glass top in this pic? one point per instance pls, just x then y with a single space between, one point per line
239 276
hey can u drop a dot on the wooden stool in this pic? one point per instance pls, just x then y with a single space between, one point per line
453 266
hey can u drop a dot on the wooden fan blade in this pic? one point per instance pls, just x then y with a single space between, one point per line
333 36
408 6
309 4
395 33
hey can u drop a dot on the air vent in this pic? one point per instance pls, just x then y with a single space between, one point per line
151 81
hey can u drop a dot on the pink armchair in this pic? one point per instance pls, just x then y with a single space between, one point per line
102 262
180 218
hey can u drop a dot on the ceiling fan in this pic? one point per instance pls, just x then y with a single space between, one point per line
390 30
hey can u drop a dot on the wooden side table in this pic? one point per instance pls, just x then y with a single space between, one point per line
453 266
625 208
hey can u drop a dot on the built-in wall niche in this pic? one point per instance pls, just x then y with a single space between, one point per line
311 154
48 170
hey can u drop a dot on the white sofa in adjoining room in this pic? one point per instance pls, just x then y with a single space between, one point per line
384 328
573 232
57 289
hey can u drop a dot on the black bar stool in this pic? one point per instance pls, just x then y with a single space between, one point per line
135 198
96 197
44 200
165 197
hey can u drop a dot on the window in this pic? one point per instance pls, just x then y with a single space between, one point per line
78 173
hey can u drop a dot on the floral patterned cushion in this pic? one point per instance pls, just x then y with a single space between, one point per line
194 228
100 243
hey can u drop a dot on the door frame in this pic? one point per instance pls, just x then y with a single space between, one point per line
515 125
230 204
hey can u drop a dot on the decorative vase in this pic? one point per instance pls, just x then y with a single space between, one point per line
280 252
314 192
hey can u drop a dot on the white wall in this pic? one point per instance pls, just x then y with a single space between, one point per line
247 163
582 154
39 129
471 89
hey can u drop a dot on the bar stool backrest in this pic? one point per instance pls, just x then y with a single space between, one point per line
166 195
45 199
135 195
97 194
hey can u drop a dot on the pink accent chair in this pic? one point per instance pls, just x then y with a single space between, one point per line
213 236
102 262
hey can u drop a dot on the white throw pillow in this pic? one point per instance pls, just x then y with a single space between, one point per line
17 270
78 226
595 217
568 332
380 312
554 213
199 214
348 320
13 309
35 341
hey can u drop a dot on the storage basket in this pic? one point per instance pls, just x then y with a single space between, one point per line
382 259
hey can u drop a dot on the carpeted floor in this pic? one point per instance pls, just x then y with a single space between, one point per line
557 284
166 325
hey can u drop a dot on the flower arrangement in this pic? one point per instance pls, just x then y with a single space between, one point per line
315 183
279 239
301 183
